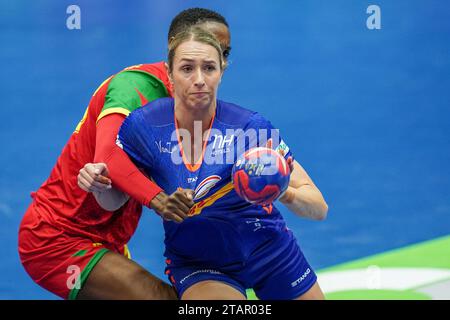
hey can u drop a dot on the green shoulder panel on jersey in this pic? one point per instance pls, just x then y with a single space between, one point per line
131 89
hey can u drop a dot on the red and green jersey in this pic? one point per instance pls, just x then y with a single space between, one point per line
59 200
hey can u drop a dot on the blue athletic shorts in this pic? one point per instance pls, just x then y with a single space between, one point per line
277 270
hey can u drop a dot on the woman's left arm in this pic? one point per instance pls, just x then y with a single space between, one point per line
303 197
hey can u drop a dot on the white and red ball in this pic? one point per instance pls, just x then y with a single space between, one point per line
260 175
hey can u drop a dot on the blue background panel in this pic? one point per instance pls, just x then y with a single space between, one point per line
366 112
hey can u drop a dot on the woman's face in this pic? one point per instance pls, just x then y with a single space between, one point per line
196 75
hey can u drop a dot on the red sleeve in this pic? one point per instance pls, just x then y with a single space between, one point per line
122 171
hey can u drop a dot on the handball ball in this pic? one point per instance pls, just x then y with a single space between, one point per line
260 175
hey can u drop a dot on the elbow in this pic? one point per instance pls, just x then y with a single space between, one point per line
109 207
109 202
322 212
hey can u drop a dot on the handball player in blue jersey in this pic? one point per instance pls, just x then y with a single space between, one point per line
188 145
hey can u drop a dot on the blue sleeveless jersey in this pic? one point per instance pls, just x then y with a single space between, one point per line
224 230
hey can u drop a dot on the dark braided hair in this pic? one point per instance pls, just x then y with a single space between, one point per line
192 16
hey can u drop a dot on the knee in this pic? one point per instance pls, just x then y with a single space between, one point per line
149 286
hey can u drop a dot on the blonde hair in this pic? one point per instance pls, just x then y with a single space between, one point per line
196 34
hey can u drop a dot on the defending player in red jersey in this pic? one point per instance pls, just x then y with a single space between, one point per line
68 244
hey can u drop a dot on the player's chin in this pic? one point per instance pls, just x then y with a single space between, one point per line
200 103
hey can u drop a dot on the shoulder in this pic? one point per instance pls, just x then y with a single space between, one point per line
233 114
156 69
133 87
153 74
156 113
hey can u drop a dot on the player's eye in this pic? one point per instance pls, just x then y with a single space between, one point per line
209 68
186 68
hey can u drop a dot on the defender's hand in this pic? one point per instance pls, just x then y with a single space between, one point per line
174 207
93 178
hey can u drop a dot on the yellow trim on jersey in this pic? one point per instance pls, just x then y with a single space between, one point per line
126 252
99 87
120 110
133 67
199 206
77 129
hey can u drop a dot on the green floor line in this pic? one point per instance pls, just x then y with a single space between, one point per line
429 254
433 253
